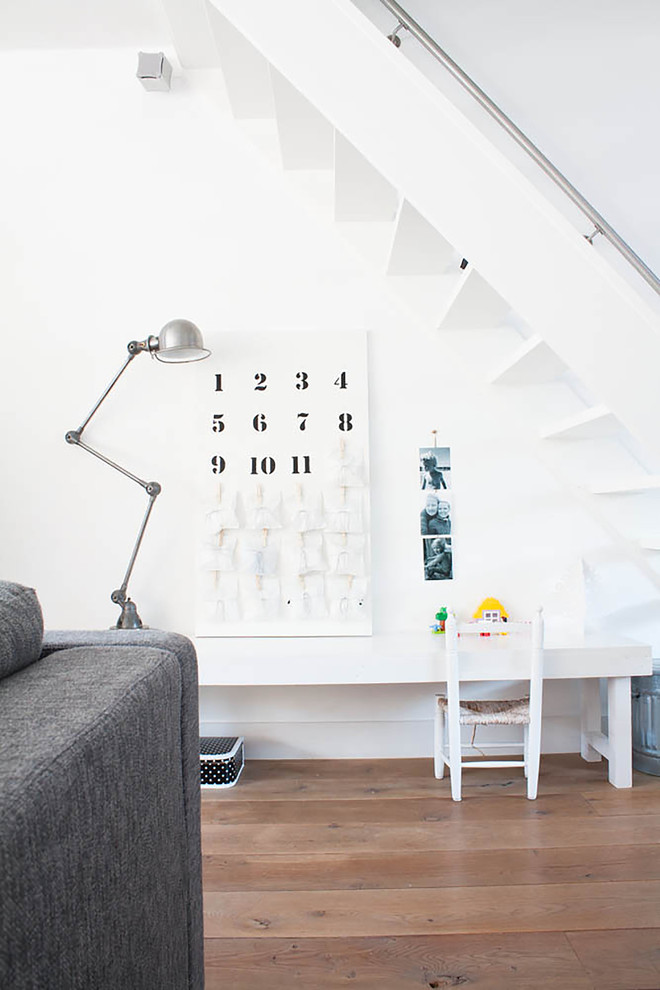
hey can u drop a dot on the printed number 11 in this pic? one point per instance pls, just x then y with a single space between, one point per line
296 464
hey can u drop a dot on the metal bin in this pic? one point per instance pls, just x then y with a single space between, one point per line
646 721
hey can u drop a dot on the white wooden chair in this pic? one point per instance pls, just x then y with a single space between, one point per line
451 712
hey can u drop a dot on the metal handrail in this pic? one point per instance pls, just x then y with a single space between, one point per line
601 225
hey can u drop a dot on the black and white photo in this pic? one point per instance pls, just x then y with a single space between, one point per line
438 563
435 514
434 468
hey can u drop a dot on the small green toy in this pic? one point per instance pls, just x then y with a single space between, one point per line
441 617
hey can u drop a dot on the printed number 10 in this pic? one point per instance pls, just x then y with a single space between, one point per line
267 465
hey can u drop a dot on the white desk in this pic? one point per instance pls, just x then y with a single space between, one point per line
419 658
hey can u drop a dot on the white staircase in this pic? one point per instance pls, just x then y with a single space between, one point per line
414 186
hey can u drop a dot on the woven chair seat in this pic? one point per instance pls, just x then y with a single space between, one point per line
509 712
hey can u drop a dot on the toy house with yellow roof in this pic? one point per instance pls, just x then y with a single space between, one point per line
491 610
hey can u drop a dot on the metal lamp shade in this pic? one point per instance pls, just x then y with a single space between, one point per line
179 341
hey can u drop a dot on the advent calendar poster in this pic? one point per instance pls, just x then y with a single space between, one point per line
284 526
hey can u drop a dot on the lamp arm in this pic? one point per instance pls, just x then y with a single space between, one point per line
129 617
119 597
147 485
134 348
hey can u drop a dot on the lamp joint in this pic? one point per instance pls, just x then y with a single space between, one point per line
153 488
137 346
72 436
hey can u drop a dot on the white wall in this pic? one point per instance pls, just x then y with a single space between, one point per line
125 209
580 79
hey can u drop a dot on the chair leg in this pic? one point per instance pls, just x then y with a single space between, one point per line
533 760
526 748
455 760
438 742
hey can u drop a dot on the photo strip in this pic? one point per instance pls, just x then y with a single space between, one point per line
436 513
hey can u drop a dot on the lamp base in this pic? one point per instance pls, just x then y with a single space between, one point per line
129 618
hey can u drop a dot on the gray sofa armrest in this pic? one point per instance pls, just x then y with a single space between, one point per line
183 649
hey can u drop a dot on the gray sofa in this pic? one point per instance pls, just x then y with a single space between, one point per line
100 865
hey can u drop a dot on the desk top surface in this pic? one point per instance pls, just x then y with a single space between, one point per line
407 658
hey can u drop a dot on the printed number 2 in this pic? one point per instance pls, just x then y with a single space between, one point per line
345 422
260 379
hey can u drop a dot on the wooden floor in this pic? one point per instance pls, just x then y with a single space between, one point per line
364 874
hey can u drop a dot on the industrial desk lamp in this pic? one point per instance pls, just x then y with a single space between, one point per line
178 341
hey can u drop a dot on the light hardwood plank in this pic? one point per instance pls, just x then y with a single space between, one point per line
337 914
620 960
530 834
514 962
633 801
432 809
437 869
